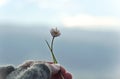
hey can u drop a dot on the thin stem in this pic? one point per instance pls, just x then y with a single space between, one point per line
52 43
54 59
53 56
51 50
48 45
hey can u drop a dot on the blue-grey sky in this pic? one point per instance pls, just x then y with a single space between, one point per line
69 13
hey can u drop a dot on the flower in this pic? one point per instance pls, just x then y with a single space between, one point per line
55 32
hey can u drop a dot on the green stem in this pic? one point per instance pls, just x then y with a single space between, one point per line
54 59
53 56
48 45
51 50
52 43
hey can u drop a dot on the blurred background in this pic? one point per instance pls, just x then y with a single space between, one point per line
89 45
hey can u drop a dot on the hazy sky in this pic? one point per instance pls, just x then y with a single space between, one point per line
68 13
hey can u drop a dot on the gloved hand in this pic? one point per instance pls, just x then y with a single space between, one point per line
4 71
56 69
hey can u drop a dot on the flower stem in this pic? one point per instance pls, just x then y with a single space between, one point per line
52 43
51 50
54 59
53 56
48 45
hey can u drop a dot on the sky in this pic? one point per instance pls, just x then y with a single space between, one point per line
88 14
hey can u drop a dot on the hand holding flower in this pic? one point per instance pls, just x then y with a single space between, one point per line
62 74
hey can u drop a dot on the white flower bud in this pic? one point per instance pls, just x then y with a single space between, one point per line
55 32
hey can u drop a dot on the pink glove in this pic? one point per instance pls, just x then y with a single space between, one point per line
57 70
